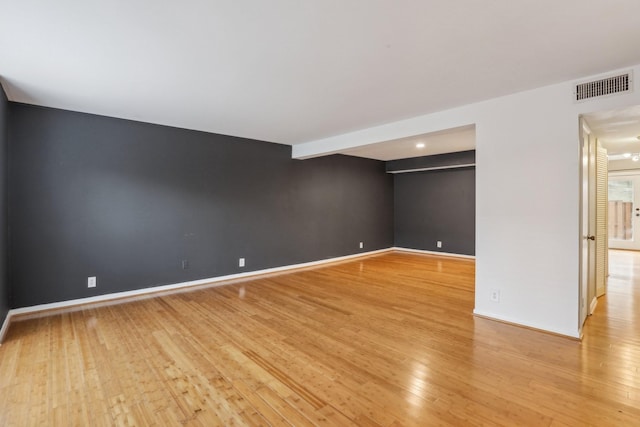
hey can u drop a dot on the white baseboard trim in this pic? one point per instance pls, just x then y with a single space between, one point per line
520 323
119 297
592 306
420 251
5 327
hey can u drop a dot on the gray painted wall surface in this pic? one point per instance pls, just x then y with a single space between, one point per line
4 284
435 205
128 201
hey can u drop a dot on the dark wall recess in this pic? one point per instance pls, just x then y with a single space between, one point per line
128 202
4 284
434 206
460 158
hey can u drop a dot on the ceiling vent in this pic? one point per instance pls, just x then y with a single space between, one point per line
607 86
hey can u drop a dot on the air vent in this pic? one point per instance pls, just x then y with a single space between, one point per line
607 86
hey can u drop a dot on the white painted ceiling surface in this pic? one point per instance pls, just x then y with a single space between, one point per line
448 141
295 71
617 130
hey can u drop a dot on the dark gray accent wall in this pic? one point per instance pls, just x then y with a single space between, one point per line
435 205
435 161
128 202
4 284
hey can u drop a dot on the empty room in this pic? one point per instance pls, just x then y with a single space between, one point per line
356 213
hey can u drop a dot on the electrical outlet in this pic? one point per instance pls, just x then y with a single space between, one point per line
91 282
241 262
439 244
185 264
495 295
361 245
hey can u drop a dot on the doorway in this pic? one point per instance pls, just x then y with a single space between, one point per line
624 210
617 133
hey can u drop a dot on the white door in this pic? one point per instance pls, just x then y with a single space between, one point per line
624 211
587 229
601 243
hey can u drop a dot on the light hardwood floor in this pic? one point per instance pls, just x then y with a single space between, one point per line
384 341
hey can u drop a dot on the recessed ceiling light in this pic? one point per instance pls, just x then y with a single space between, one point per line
420 145
627 155
635 158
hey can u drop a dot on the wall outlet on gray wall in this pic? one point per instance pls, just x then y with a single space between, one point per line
91 282
185 264
241 262
495 295
439 244
361 245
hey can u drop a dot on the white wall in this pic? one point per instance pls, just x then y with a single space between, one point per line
527 197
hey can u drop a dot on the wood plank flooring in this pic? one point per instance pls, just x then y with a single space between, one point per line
383 341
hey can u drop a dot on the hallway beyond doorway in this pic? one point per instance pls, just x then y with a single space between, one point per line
622 303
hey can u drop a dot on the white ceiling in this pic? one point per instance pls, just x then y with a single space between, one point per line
617 130
291 71
449 141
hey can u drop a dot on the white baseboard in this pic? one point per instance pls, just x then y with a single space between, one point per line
592 306
5 326
119 297
520 323
420 251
